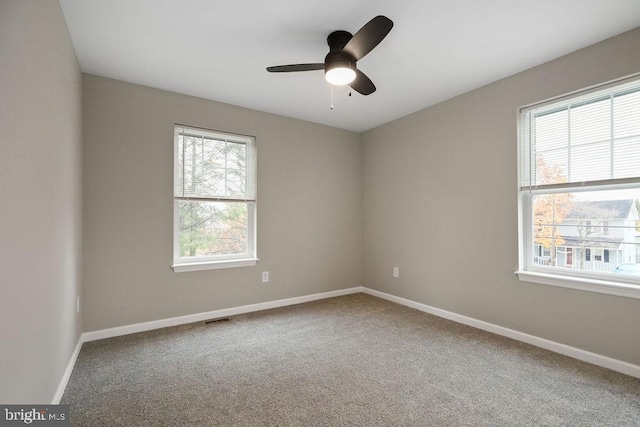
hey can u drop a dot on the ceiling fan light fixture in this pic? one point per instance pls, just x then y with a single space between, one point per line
345 49
340 74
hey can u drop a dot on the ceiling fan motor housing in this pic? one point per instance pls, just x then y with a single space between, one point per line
337 57
338 39
339 60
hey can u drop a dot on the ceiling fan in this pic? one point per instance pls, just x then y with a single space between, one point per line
345 50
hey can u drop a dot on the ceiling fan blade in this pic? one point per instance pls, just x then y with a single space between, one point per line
363 84
295 67
368 37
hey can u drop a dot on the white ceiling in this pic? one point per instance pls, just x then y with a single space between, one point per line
437 49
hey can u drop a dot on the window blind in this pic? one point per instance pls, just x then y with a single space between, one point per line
214 166
590 139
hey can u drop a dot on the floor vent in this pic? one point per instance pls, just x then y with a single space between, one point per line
219 320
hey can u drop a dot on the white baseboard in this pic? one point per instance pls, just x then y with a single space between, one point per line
576 353
199 317
67 373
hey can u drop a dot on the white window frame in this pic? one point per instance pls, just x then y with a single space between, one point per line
248 259
606 283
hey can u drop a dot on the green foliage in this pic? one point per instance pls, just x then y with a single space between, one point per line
212 228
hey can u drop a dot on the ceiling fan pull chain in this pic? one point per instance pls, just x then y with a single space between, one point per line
332 97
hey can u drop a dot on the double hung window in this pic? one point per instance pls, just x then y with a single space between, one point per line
214 200
579 189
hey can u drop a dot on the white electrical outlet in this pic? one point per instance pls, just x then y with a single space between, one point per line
396 272
77 305
265 276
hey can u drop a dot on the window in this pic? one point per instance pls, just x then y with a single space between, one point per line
214 200
597 255
579 190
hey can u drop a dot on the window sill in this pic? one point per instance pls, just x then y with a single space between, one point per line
214 265
583 284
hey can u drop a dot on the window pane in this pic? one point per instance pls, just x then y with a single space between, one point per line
591 122
206 164
596 139
212 228
236 183
236 156
552 130
569 148
551 167
626 109
214 152
627 157
591 162
590 231
549 212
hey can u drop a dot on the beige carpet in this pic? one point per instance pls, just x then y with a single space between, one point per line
355 360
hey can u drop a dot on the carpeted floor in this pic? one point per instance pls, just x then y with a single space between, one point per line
355 360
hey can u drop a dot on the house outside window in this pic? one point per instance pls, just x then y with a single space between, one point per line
214 200
602 251
579 198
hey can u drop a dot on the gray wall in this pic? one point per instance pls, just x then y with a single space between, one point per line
40 118
440 202
309 207
435 193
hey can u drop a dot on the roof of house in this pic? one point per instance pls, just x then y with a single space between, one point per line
614 208
596 242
